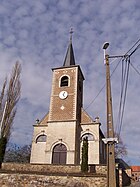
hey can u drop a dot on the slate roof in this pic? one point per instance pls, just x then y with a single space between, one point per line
69 59
122 163
85 118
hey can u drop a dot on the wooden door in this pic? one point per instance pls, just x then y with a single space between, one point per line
59 154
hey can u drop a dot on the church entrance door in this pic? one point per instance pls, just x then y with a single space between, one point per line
59 154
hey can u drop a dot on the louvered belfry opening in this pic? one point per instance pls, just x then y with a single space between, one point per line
64 81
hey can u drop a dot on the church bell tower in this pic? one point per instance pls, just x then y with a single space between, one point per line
67 90
61 127
58 137
65 106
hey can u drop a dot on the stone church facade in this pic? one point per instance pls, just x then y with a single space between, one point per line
58 137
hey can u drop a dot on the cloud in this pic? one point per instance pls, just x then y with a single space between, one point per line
37 34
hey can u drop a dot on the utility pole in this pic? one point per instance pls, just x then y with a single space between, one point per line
111 170
110 140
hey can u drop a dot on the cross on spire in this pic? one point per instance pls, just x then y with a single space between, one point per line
71 32
69 59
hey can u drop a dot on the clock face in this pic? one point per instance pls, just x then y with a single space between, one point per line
63 95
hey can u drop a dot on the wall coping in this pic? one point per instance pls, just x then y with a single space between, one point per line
49 168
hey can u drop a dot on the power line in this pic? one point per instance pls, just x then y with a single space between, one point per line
135 68
134 50
112 74
123 95
95 97
102 87
133 46
124 85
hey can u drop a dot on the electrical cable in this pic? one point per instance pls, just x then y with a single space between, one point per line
102 87
135 68
124 84
121 95
125 80
124 95
134 50
111 74
95 98
133 46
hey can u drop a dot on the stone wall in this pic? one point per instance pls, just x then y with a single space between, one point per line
98 169
35 175
28 180
40 175
41 168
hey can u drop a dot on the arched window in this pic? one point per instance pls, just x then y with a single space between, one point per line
64 81
41 138
88 136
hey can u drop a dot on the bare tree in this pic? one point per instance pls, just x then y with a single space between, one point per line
15 153
9 97
120 148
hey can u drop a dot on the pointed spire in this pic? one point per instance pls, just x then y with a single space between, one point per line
69 59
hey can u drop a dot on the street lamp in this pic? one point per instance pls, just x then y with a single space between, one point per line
110 140
105 46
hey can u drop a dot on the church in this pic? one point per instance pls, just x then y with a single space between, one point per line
58 137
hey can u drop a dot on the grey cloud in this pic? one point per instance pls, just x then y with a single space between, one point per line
37 33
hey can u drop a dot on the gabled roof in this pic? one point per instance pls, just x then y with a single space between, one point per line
69 59
85 118
44 120
135 168
122 163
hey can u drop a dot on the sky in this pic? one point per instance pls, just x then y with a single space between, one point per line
36 33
